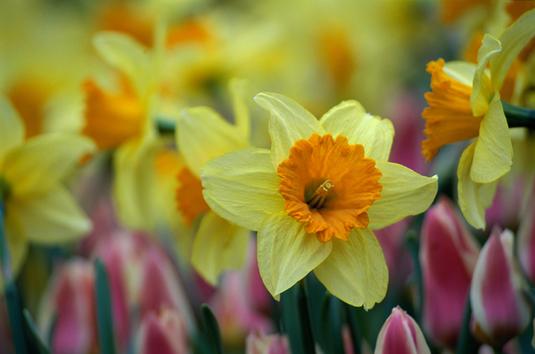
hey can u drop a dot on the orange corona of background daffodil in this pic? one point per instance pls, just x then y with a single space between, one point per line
317 195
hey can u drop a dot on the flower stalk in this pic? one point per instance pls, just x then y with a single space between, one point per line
519 116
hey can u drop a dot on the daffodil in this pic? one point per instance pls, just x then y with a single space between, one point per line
37 207
202 135
317 195
465 103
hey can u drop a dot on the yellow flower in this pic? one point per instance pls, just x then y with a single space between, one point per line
38 208
465 103
317 195
202 135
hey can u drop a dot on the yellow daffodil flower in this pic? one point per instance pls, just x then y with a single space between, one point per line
465 103
202 135
38 208
317 195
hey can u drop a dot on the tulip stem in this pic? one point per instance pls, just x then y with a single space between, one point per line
519 116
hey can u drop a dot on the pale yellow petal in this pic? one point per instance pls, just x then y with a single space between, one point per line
43 161
482 88
493 155
11 127
286 253
513 40
202 135
243 187
53 217
239 106
474 198
218 246
134 183
460 71
351 120
289 122
125 54
404 193
355 271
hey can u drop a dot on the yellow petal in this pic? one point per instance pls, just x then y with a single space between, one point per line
474 198
239 105
482 88
356 271
134 183
202 135
404 193
243 187
218 246
513 40
289 122
43 161
11 127
493 155
286 253
125 54
53 217
351 120
461 71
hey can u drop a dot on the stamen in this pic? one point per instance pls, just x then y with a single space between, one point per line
318 198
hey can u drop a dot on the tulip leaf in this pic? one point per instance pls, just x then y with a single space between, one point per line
34 333
104 310
296 321
211 329
466 343
331 322
15 317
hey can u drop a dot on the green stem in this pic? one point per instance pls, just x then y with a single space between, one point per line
165 126
519 116
14 309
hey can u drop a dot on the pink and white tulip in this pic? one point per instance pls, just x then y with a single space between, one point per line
163 333
526 241
266 344
448 254
500 309
400 334
71 300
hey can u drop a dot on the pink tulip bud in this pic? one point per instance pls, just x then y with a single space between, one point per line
266 344
500 309
234 310
400 334
526 241
163 334
448 255
71 300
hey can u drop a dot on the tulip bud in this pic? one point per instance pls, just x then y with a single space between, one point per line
70 299
234 310
163 334
500 310
448 255
266 344
400 334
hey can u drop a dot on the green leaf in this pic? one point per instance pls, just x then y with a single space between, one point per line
15 317
34 333
295 320
466 343
331 321
211 329
104 310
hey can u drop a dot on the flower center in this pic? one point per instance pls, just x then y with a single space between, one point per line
189 196
448 118
328 185
111 118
